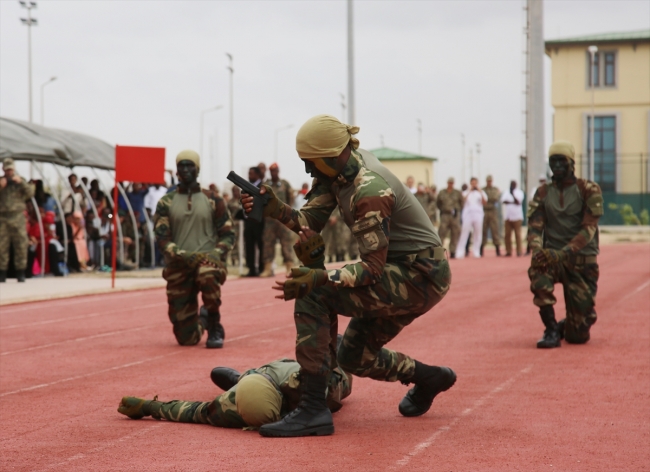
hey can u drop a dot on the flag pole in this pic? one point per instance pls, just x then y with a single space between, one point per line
115 217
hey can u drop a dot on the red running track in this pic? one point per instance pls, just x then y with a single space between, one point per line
65 364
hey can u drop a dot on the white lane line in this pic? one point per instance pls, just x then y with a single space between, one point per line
638 289
130 364
105 445
85 338
52 304
477 404
91 315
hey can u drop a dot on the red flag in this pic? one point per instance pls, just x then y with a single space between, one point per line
140 164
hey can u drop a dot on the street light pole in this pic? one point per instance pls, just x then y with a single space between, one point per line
218 107
277 131
478 161
419 136
592 52
52 79
342 107
29 21
351 111
232 132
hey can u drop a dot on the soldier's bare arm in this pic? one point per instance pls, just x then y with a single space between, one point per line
537 219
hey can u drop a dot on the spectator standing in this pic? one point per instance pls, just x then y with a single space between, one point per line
432 209
514 216
262 168
450 204
474 200
14 192
275 231
491 215
253 231
154 194
43 199
234 207
410 184
73 199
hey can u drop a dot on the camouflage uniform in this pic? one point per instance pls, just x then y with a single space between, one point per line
13 226
199 211
222 411
274 231
234 206
399 278
567 219
450 205
337 237
491 215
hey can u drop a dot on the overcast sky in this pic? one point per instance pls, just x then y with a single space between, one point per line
141 72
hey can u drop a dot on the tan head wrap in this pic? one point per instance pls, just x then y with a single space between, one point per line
189 155
563 148
324 136
8 164
258 402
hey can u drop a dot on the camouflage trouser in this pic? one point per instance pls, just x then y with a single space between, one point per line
13 232
491 221
183 286
274 231
580 283
406 290
449 224
234 252
222 411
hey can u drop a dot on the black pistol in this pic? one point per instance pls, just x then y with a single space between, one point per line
259 200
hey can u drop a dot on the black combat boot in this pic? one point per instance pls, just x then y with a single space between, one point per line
311 418
551 336
20 275
3 276
429 381
224 377
203 317
575 335
216 332
482 246
498 251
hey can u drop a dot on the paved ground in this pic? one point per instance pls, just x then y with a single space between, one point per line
65 364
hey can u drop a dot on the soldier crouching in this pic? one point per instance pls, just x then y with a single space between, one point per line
194 231
563 235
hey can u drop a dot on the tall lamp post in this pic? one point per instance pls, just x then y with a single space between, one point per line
52 79
29 21
478 161
277 131
592 74
419 136
342 107
232 132
218 107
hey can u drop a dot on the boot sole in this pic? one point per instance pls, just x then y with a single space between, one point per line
214 346
450 383
317 431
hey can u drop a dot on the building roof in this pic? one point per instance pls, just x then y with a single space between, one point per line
624 37
389 154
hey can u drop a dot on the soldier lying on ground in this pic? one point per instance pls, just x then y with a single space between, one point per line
403 273
252 399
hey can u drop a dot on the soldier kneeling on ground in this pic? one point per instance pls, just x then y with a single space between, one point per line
563 235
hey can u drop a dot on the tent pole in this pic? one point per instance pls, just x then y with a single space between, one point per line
64 228
40 224
135 225
115 215
83 216
116 219
93 207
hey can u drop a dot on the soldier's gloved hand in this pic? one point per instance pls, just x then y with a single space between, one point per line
274 208
310 249
545 257
192 259
301 282
213 258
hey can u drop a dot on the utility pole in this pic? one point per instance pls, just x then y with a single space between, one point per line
232 129
419 136
478 161
52 79
29 21
592 73
535 137
352 119
462 157
342 107
201 148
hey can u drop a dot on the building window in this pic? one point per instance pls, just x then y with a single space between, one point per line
603 70
604 151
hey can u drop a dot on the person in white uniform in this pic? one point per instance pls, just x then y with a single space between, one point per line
513 215
474 198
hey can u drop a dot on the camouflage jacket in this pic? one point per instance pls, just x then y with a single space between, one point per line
565 217
369 207
221 220
282 190
493 195
13 197
450 202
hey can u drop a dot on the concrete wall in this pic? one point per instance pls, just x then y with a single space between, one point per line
629 101
421 170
